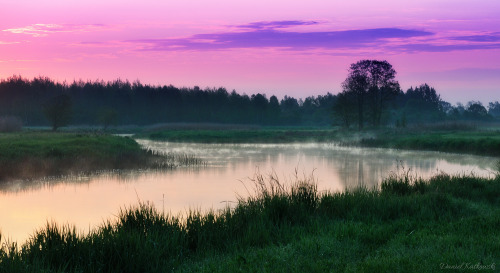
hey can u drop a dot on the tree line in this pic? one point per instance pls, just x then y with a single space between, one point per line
370 96
42 101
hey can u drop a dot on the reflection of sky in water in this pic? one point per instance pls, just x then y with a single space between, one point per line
87 201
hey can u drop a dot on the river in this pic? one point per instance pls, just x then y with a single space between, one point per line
87 201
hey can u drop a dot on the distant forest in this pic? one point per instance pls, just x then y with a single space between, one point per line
123 103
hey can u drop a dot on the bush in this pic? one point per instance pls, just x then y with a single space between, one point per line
10 124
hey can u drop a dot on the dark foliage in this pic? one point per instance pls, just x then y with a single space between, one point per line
370 96
121 102
58 111
372 85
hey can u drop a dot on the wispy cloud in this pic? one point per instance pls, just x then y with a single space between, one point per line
40 30
494 37
412 48
277 24
8 43
279 34
269 34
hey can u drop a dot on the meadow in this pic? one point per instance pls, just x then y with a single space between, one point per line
406 225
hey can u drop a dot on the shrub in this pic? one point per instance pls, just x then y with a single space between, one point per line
10 124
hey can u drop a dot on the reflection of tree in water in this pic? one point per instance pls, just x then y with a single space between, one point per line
352 166
368 169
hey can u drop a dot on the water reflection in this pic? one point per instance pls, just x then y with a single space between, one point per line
86 201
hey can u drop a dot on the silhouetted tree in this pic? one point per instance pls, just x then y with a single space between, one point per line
58 111
273 110
290 110
494 109
476 111
423 104
343 108
260 103
372 83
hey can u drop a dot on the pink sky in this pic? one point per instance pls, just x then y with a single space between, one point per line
297 48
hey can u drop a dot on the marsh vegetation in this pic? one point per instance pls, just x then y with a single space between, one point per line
408 224
31 155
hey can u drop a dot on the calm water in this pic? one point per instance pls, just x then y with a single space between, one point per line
87 201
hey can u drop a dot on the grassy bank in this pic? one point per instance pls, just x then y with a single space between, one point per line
470 141
258 135
467 142
31 155
408 225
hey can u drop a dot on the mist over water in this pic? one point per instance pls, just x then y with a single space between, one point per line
86 201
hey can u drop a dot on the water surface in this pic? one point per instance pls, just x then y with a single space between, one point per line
86 201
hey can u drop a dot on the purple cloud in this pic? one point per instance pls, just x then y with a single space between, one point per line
444 48
478 38
277 24
264 35
276 34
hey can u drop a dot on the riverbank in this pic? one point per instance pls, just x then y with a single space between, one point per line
407 225
485 143
254 135
31 155
476 141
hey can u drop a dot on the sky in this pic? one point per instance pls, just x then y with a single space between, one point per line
294 48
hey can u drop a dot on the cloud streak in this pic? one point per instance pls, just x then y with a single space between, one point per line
41 30
495 37
276 24
266 36
277 34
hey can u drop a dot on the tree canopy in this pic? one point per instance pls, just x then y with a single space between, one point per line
371 84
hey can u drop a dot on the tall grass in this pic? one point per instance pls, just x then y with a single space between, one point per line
407 225
176 159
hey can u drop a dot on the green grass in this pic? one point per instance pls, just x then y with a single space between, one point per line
265 135
408 225
470 142
29 155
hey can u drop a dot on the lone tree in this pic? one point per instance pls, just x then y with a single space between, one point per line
58 111
107 117
372 83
